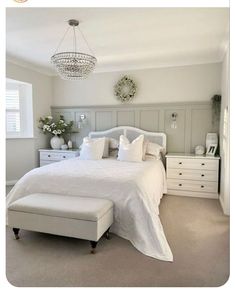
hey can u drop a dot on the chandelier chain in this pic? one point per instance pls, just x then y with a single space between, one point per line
86 41
61 40
74 40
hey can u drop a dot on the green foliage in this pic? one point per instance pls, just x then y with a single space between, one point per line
60 127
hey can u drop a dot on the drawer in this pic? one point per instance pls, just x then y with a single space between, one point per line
192 185
192 174
55 155
187 163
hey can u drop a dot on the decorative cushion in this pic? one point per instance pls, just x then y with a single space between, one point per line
154 149
131 151
92 149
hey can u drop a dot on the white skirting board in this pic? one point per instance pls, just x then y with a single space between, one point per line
193 194
11 182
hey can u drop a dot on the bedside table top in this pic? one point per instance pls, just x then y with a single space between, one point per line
58 150
191 155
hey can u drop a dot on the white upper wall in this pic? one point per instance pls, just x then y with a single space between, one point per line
173 84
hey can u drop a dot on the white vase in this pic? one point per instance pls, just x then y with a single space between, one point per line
56 142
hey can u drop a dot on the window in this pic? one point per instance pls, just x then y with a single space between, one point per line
13 111
19 111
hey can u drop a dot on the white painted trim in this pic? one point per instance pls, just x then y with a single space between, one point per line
11 182
119 67
30 66
223 206
192 194
20 137
135 106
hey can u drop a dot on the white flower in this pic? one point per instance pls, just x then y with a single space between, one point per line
54 132
59 132
50 117
65 124
61 121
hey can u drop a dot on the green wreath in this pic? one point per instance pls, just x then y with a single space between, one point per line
125 89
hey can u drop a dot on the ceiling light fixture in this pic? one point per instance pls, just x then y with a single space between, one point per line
73 65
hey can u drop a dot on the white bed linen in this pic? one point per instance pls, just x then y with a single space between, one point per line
135 189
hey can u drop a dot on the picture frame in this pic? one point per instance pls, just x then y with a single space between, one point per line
211 150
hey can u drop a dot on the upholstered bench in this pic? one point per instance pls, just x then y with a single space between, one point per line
79 217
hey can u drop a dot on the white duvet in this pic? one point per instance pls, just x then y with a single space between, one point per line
135 189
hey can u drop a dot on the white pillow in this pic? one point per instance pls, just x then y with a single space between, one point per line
154 149
131 151
145 145
92 149
106 146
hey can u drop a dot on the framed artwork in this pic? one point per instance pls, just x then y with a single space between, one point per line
211 149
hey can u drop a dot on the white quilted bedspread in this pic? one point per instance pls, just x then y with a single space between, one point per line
135 188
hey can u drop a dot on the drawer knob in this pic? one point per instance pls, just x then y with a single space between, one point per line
180 173
203 163
202 187
180 185
180 162
202 174
49 155
64 156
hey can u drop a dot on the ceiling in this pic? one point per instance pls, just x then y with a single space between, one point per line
121 38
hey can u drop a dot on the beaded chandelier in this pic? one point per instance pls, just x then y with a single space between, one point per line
73 65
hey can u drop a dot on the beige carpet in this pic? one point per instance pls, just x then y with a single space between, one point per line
197 232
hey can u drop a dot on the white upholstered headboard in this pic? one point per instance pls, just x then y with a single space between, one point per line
131 133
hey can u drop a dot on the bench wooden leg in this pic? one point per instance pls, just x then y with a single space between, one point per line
107 235
16 232
93 246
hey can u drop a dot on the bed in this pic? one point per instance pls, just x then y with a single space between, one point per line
135 189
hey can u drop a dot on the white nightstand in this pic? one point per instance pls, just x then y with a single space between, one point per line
48 156
192 175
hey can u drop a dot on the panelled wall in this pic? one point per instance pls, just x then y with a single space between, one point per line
194 121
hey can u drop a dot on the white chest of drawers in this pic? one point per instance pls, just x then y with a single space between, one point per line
48 156
192 175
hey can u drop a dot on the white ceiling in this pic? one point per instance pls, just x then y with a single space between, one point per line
121 38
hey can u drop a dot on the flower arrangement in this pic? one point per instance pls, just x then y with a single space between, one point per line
57 128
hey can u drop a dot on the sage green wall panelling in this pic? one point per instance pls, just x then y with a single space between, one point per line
201 124
194 120
103 120
126 118
175 137
149 120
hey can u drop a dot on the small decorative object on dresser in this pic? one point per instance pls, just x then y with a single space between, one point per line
211 149
70 144
192 175
48 156
199 150
211 138
64 147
